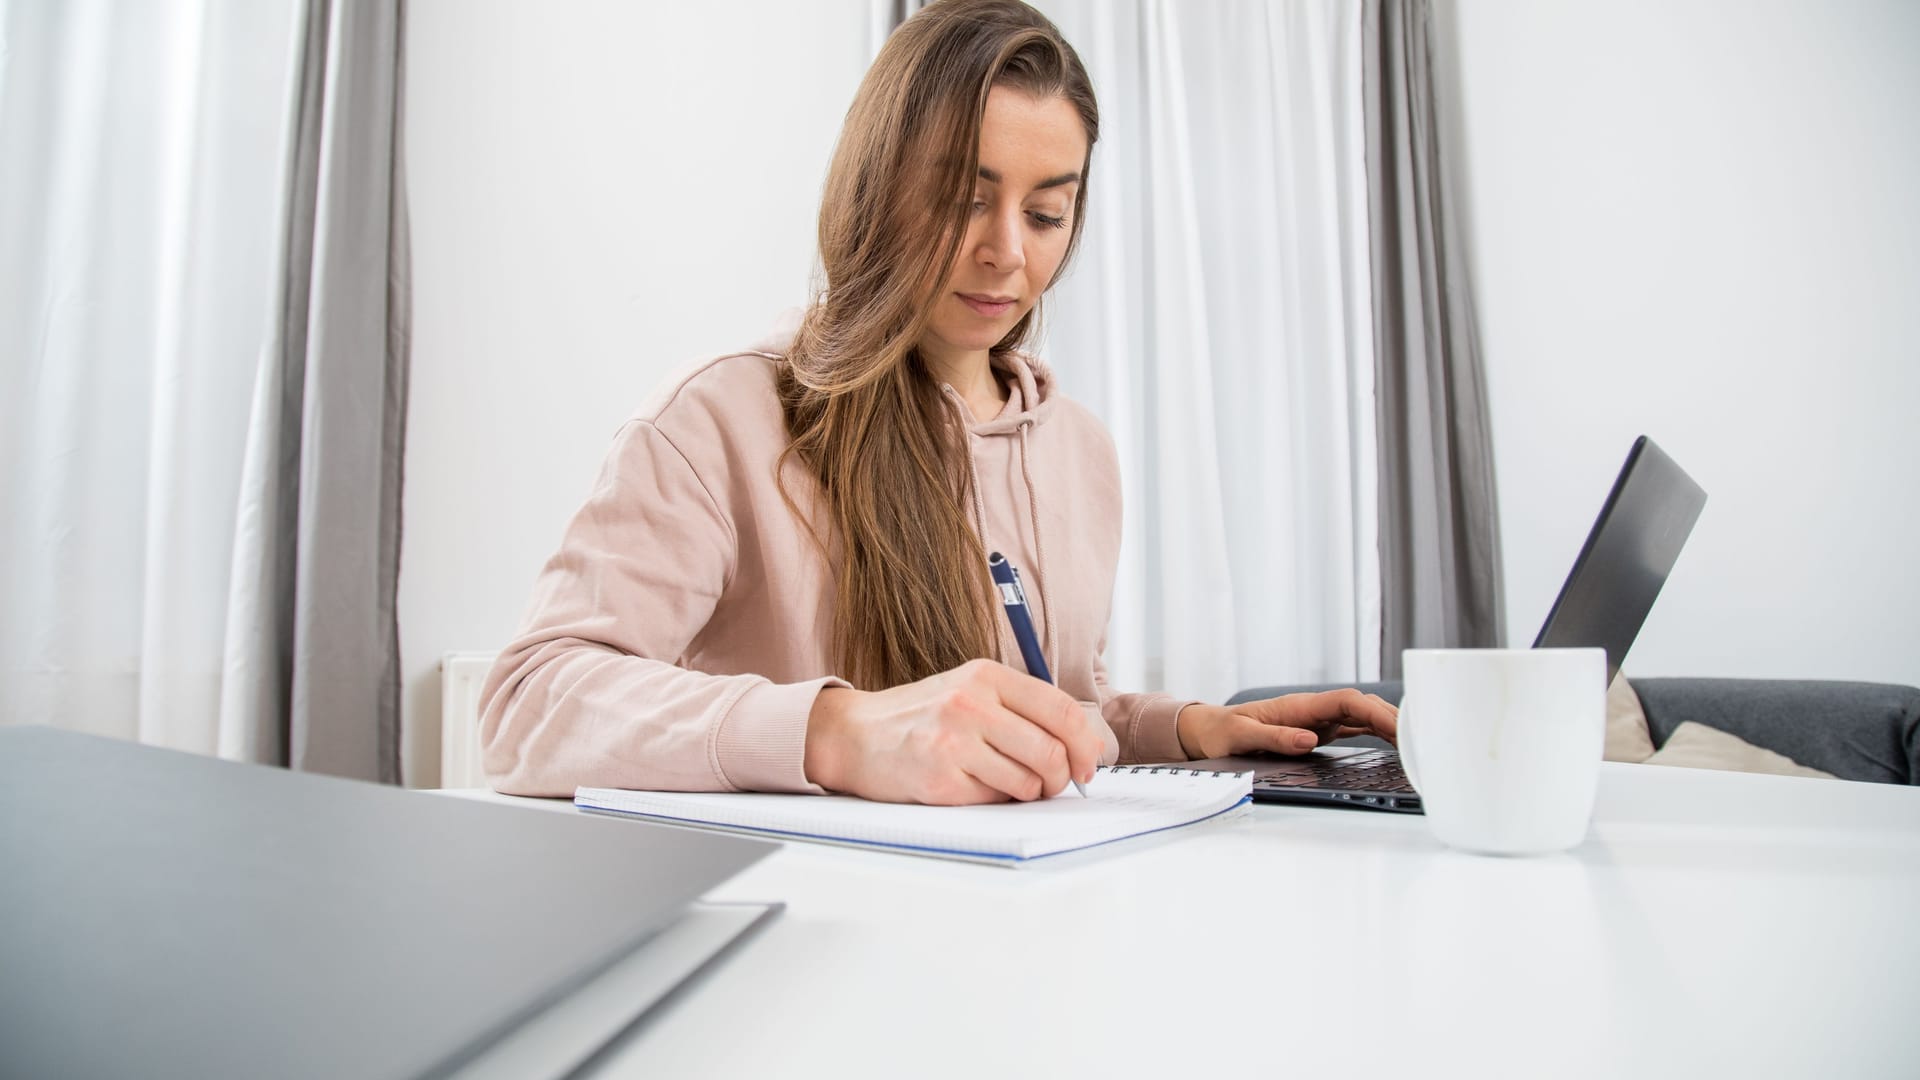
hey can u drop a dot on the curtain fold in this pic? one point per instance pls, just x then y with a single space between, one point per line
1440 567
315 681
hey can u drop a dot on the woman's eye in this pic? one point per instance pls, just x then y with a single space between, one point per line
1048 221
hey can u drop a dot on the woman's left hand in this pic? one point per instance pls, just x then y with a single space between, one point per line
1293 724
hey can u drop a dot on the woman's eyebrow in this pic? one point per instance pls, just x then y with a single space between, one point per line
992 177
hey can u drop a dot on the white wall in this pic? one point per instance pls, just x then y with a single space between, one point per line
1699 220
601 192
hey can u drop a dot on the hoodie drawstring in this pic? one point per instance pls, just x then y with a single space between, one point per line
1048 644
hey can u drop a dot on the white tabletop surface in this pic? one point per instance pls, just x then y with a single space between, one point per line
1711 924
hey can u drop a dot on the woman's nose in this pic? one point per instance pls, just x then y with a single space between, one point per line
1000 247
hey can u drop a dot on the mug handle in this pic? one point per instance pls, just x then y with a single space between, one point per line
1404 741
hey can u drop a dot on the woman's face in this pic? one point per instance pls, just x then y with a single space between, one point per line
1031 152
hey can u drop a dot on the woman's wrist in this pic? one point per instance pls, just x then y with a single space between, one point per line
825 747
1193 725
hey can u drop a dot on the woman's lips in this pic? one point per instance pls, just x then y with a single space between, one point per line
986 305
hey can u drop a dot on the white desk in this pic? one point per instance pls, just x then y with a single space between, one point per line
1712 924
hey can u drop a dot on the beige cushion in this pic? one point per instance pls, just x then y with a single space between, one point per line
1697 746
1627 735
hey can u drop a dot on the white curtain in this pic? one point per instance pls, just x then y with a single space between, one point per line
142 177
1219 320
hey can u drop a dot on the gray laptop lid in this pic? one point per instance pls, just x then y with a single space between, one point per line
1629 552
165 914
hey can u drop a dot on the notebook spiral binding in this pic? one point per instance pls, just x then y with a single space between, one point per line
1170 770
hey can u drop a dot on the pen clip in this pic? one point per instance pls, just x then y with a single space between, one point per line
1011 592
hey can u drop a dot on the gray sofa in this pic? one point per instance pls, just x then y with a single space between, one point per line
1854 730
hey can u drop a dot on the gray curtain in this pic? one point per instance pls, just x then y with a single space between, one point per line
1439 521
313 665
883 16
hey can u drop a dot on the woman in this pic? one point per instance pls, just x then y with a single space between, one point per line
780 582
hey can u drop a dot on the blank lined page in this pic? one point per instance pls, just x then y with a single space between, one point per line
1122 801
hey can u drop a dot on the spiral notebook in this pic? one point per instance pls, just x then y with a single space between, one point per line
1122 802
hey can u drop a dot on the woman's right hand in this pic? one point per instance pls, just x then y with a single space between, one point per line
982 732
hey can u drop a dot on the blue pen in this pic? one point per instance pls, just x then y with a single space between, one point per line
1007 579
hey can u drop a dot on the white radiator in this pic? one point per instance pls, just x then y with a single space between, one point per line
461 674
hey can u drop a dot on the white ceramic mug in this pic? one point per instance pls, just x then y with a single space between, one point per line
1504 745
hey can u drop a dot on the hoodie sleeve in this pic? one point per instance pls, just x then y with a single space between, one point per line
589 695
1143 723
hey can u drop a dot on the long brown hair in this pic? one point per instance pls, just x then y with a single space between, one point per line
866 418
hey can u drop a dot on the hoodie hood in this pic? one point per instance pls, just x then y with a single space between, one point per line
1031 400
1029 405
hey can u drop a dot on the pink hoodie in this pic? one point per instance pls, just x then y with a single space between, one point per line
677 639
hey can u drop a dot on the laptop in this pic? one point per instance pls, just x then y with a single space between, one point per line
167 914
1629 552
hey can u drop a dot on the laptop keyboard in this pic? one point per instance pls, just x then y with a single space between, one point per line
1374 770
